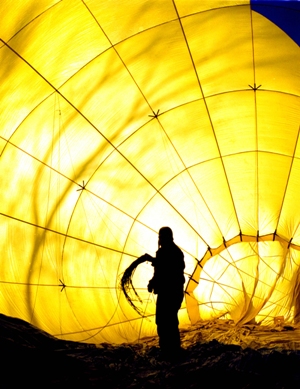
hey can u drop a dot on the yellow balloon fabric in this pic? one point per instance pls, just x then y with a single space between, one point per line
118 118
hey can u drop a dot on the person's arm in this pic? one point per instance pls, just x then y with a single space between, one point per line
148 258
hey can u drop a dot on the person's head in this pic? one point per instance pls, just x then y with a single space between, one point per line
165 236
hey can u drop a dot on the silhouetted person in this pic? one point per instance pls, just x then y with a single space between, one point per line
167 283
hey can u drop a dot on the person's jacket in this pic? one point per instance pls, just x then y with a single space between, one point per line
168 270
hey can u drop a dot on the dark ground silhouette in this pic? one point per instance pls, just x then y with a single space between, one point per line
32 357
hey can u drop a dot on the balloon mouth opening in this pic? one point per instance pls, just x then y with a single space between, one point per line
250 282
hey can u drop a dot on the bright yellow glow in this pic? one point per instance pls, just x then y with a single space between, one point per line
120 117
249 282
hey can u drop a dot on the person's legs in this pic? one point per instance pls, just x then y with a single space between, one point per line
167 324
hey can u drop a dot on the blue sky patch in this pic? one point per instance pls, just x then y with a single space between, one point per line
284 13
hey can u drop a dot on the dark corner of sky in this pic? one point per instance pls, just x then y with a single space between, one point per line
284 13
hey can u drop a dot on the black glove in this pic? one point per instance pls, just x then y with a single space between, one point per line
151 286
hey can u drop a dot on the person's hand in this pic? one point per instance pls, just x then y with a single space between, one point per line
150 286
148 257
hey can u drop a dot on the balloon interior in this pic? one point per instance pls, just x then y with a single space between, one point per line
118 120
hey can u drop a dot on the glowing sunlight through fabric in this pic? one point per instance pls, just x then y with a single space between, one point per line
120 117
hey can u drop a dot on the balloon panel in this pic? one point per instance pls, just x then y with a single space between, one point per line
63 128
217 56
150 14
12 24
114 116
45 35
17 76
167 80
276 74
221 218
189 7
118 120
276 134
239 168
141 156
199 142
233 134
289 220
270 200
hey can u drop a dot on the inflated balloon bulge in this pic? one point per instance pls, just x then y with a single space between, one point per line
118 120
